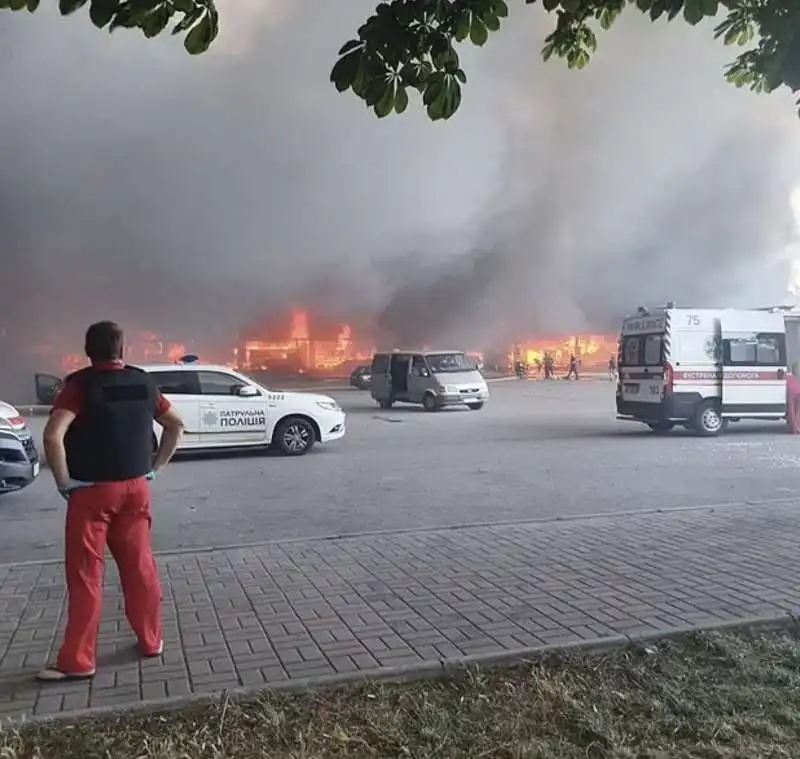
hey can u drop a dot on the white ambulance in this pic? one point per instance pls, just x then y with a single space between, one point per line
701 368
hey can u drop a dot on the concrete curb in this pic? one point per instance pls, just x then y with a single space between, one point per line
425 670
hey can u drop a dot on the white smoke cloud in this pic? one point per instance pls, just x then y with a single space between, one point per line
243 22
188 194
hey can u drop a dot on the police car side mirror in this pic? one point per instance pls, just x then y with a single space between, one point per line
247 391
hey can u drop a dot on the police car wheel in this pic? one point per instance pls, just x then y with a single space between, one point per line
475 406
429 402
708 421
294 436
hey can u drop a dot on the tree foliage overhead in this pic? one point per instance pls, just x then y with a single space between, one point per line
409 46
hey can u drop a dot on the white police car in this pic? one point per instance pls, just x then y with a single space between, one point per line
224 409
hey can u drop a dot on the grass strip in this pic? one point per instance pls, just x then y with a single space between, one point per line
732 696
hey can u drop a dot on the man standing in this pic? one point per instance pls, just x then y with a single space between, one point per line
99 446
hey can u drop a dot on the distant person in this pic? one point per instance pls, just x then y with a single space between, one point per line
793 404
549 366
612 368
98 443
573 368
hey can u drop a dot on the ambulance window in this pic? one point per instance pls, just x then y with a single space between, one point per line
756 350
630 351
380 364
652 350
771 350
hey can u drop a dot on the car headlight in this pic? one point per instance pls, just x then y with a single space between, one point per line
329 405
15 423
448 390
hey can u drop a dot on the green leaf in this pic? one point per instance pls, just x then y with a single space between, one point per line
452 100
200 37
102 11
156 21
437 105
572 6
491 21
376 90
658 9
16 5
607 18
461 76
386 104
188 21
184 6
746 35
693 11
32 5
644 5
433 88
674 7
550 5
500 9
345 70
477 32
400 99
462 26
350 45
710 7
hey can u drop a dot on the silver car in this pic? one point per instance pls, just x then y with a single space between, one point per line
19 459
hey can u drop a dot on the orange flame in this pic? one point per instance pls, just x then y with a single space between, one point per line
593 351
302 350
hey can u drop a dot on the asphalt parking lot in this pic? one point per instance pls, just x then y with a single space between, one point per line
537 450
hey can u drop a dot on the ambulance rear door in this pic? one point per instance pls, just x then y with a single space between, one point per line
641 359
754 364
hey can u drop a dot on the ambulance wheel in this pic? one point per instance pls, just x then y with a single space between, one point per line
294 436
708 421
661 428
429 402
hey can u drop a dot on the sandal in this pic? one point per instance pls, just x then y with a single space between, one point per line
55 675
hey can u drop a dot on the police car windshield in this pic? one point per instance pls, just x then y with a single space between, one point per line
443 363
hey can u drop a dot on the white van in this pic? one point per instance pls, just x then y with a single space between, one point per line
433 378
702 368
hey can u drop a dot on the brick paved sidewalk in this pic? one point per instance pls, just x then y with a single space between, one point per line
260 615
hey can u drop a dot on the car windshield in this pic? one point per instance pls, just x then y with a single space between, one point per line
443 363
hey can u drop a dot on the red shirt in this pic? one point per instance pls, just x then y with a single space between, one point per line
70 398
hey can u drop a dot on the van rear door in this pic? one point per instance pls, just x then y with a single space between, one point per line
754 365
641 368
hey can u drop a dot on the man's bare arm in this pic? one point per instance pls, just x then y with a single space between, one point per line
54 451
173 430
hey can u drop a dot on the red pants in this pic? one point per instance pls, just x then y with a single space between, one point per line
117 513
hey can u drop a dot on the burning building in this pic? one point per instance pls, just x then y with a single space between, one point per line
593 351
302 342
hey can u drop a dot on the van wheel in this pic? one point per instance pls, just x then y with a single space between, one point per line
475 406
660 428
429 402
386 404
708 421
